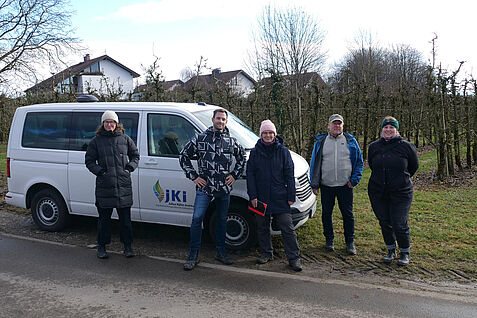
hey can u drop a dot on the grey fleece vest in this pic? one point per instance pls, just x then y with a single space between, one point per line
336 164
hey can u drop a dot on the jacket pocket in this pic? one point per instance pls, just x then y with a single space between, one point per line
124 160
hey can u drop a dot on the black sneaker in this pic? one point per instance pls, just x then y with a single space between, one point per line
128 251
295 265
403 259
390 257
102 252
264 258
191 262
223 258
350 249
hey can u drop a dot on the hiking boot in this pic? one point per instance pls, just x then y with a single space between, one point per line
389 258
403 259
191 262
350 249
128 251
330 246
223 258
264 258
102 252
295 265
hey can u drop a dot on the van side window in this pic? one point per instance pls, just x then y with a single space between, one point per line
85 125
46 130
168 134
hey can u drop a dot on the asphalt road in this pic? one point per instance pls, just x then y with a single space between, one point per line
44 279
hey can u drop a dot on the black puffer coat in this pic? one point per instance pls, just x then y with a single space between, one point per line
392 164
270 176
109 154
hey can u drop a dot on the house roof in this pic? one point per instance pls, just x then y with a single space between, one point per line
209 80
302 79
76 70
166 85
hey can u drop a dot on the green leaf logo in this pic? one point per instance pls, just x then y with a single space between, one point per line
158 191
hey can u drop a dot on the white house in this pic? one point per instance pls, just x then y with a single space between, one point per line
90 76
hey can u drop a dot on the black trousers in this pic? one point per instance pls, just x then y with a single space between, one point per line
392 210
285 224
104 225
344 194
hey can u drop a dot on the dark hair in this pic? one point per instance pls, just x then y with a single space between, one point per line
220 110
119 127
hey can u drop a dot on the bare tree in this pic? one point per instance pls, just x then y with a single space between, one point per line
288 42
33 31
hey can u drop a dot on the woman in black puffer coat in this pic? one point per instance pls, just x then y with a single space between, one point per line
393 161
270 179
112 156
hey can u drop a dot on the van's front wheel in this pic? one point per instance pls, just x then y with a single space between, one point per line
49 211
241 228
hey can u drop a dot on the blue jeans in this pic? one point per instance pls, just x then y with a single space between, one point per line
201 205
344 194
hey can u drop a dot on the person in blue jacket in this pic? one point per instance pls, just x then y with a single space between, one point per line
271 180
336 167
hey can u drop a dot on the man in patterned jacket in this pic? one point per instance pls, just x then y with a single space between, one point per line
214 150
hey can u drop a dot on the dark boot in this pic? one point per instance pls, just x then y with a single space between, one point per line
223 258
389 258
102 252
264 258
403 259
330 246
128 251
295 265
350 249
191 262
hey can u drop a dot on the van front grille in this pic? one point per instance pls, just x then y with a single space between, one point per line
303 192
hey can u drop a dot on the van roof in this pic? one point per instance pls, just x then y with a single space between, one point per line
126 106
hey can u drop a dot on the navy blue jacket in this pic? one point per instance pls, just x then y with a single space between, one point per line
270 176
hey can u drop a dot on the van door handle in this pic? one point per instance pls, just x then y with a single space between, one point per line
151 163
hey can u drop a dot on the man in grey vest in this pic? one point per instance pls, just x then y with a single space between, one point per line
336 167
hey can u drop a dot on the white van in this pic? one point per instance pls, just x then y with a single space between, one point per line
46 170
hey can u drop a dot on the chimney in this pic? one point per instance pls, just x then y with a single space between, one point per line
216 71
86 58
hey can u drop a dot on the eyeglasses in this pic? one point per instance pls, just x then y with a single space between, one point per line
109 122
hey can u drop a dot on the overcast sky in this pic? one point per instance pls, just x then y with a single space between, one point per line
180 31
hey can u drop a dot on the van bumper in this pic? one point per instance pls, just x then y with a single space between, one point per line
15 199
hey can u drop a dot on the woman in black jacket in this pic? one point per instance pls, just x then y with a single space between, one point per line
112 156
393 161
270 179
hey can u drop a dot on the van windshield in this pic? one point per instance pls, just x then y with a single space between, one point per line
244 135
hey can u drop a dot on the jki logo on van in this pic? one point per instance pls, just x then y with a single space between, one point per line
170 195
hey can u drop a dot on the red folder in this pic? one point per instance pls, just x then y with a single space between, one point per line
260 209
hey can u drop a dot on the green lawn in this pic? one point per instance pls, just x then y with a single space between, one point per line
3 157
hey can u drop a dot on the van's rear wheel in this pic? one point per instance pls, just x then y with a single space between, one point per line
241 228
49 210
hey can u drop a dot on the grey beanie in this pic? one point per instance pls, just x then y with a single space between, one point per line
109 114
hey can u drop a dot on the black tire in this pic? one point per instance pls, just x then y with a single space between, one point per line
49 211
241 228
